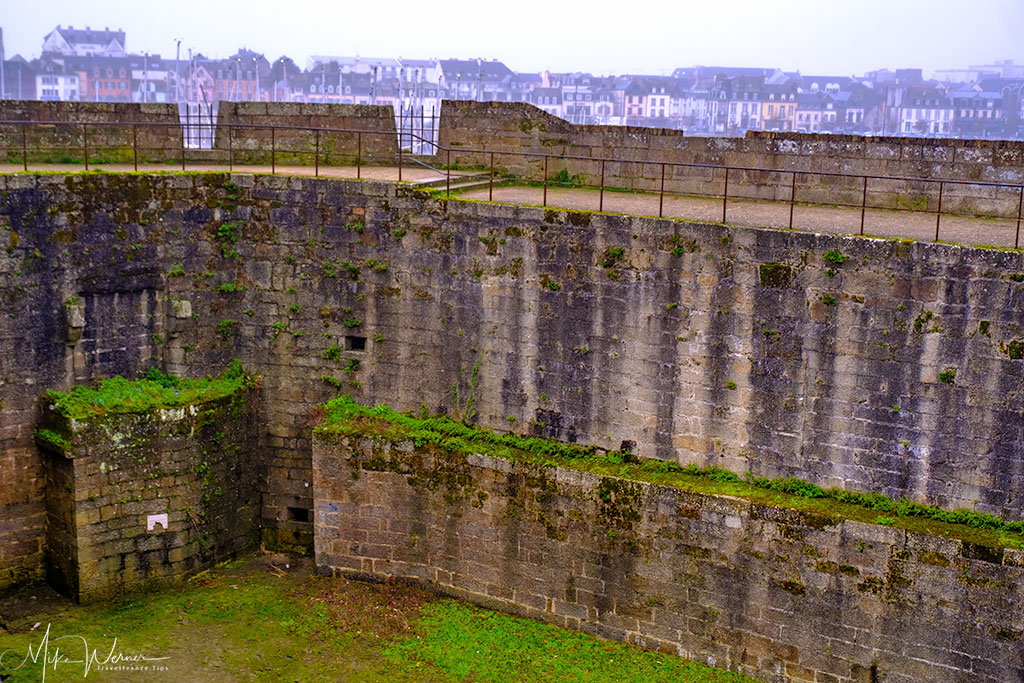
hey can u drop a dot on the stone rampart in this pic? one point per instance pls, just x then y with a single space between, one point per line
773 592
158 139
514 129
861 363
108 135
240 128
143 499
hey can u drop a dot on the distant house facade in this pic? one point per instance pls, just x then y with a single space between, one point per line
925 111
778 108
102 79
72 42
54 84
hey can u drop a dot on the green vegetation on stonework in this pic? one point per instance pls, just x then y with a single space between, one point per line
53 438
842 503
344 416
468 643
834 256
155 389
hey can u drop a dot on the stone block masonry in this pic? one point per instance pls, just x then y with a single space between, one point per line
158 139
512 129
867 364
144 499
772 592
158 135
377 145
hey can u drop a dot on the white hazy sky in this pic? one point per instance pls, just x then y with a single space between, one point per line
843 37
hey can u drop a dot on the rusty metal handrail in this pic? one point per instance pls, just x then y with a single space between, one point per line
490 154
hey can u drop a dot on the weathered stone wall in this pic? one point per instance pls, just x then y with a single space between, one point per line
511 129
158 140
892 367
158 137
771 592
378 144
106 476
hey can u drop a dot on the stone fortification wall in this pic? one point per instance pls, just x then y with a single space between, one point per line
158 140
516 128
138 500
158 137
377 145
868 364
774 593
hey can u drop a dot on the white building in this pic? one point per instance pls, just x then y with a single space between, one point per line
53 84
925 111
84 42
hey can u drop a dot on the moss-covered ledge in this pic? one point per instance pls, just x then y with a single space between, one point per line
763 577
148 480
452 439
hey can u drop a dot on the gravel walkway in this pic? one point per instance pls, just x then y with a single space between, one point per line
879 223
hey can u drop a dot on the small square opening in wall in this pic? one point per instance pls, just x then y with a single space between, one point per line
353 343
298 514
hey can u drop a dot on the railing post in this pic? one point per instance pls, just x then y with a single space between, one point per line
316 155
135 146
359 155
938 213
448 175
85 144
661 193
24 145
600 204
399 160
490 185
182 152
863 204
792 197
273 150
725 192
545 181
1020 203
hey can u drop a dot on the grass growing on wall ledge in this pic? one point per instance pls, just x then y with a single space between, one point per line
345 417
153 390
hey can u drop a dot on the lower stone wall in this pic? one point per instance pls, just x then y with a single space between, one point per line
771 592
109 479
124 132
157 137
251 143
513 129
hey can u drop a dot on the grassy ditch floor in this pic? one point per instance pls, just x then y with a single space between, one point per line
345 417
270 618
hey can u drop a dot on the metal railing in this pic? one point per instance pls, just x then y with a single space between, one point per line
356 153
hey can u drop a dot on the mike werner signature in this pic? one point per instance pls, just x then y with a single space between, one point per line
75 650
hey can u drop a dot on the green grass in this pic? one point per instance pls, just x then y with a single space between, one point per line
471 644
246 621
345 417
120 395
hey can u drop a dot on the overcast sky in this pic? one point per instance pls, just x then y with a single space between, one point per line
613 36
